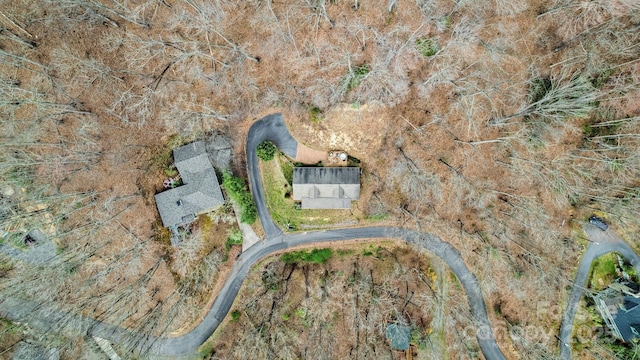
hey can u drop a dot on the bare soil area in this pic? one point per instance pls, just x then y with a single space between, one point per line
307 155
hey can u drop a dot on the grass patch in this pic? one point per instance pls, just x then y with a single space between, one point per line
603 271
286 166
427 46
372 251
454 280
276 180
315 114
235 316
238 191
315 256
9 327
301 313
206 350
16 240
600 79
378 217
345 252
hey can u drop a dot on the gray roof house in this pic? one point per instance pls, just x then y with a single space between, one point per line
619 306
200 193
326 187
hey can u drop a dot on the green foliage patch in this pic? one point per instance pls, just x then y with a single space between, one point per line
235 316
427 46
287 169
603 271
600 79
315 114
234 238
239 192
266 150
355 76
315 256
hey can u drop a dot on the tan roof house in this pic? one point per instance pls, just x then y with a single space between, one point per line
326 187
200 193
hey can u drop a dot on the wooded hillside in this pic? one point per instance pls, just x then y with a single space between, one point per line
497 125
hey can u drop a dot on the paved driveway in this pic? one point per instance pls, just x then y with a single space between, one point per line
271 128
600 243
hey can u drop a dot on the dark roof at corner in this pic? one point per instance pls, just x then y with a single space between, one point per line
623 310
326 175
627 318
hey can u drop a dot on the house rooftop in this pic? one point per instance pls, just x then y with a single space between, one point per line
620 311
326 175
199 194
326 187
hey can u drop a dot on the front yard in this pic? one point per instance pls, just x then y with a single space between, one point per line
276 177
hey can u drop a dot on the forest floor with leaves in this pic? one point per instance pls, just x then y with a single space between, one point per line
491 124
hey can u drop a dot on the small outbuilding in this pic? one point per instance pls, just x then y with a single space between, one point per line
200 192
326 187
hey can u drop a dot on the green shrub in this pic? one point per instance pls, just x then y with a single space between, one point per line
235 315
301 313
315 114
234 238
238 191
355 76
427 46
316 256
266 150
171 171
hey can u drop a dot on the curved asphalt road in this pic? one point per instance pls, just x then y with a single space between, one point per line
601 242
273 128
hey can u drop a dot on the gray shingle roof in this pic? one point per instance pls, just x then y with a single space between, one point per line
626 315
620 311
326 175
200 192
326 187
189 151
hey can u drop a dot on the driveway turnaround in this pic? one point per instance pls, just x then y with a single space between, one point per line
270 128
